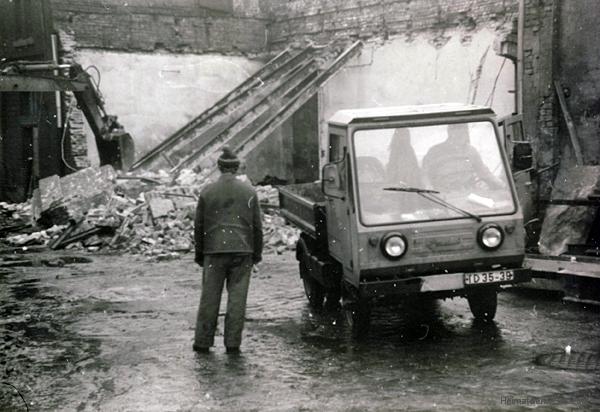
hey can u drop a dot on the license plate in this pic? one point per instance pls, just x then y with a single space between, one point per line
488 277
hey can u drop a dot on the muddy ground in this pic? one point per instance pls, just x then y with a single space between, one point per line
116 334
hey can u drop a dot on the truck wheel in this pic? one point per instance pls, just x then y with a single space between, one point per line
315 292
483 304
358 317
332 300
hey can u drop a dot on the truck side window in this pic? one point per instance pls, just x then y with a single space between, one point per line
336 151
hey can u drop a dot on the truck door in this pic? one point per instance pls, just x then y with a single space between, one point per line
338 192
521 163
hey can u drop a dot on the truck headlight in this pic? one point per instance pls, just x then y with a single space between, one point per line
394 246
490 236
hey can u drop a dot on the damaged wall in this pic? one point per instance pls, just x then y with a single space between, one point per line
559 45
410 36
579 71
182 26
154 94
161 62
418 71
322 20
417 52
31 143
540 107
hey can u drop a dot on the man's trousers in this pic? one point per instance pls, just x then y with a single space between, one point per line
235 270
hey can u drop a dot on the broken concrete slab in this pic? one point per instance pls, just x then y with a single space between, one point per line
88 188
160 207
76 192
88 181
564 225
50 191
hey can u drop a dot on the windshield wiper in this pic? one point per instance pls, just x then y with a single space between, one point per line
410 189
431 196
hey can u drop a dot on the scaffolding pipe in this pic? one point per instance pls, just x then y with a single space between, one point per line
519 79
57 96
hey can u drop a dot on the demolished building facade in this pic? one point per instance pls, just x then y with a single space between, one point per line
162 63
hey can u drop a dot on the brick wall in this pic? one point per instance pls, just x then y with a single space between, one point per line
325 19
183 26
579 72
539 100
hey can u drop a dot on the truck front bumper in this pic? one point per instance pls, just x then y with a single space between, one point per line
450 284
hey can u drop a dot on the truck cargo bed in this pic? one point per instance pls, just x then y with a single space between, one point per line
300 204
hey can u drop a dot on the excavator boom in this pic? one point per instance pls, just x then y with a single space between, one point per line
115 146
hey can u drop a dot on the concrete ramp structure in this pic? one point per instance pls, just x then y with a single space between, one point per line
247 115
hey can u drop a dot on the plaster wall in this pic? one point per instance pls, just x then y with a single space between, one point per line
155 94
417 71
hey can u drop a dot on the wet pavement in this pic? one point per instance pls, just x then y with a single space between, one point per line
116 334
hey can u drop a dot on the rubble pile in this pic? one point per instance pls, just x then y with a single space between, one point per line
151 214
14 217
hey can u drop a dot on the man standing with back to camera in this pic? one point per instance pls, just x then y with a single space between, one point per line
229 240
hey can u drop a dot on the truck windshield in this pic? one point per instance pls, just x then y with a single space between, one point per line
462 162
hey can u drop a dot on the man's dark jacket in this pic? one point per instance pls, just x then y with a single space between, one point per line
228 219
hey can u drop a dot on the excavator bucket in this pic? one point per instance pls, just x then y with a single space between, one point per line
126 151
118 151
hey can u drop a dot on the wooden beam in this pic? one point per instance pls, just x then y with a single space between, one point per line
18 83
255 81
251 114
564 265
249 143
569 122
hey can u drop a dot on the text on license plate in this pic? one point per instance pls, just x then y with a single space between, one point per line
488 277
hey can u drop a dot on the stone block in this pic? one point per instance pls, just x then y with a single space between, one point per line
76 192
160 207
564 225
50 191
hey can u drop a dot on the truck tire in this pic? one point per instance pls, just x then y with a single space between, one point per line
483 304
356 311
358 317
332 300
315 292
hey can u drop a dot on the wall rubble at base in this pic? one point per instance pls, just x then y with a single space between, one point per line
569 225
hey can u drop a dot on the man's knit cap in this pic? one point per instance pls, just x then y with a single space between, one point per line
228 159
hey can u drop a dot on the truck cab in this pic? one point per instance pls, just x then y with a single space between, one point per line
414 200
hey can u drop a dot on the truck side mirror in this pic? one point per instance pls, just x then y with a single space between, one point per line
522 156
331 183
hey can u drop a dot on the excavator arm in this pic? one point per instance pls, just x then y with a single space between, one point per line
115 146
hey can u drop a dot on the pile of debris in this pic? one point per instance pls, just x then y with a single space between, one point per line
14 217
152 214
